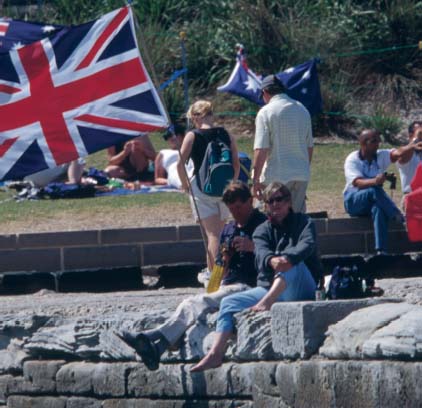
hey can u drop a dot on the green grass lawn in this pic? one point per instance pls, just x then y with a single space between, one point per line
327 181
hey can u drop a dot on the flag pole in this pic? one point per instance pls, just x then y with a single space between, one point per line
190 191
146 55
182 36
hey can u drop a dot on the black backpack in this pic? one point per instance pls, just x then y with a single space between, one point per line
216 169
346 283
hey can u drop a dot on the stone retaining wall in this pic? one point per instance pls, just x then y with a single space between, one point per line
139 247
77 362
305 384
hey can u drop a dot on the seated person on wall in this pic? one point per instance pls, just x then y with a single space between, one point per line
364 195
285 255
130 160
408 163
74 171
165 166
237 249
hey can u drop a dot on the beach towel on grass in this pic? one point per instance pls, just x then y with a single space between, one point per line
142 190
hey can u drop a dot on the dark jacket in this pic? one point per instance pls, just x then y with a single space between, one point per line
295 239
241 267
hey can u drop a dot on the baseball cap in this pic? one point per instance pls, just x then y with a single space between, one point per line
271 81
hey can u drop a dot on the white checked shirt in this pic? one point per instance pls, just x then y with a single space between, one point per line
284 127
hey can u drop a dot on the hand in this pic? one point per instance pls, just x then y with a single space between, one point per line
262 306
257 189
127 148
280 264
418 135
226 257
243 244
418 146
379 179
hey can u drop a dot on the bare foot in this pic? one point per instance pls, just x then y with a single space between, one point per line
211 360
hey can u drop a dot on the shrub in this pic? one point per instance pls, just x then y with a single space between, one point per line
386 122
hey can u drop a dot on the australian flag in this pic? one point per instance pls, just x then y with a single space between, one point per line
16 33
73 93
301 83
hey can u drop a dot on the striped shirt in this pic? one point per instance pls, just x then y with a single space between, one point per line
284 127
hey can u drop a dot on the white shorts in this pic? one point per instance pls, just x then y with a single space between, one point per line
207 205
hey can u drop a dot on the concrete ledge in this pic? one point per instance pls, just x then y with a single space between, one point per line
8 241
54 239
40 260
141 247
175 252
298 328
100 257
189 232
116 236
354 243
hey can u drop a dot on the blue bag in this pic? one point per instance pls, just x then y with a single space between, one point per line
216 169
99 175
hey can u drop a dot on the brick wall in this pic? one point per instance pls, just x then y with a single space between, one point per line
115 248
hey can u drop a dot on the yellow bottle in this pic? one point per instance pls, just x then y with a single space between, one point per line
216 277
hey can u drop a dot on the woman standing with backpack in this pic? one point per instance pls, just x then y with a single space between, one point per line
216 162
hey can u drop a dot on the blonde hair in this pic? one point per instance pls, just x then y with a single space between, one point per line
199 109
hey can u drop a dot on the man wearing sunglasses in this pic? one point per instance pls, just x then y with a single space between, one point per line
287 262
237 251
365 172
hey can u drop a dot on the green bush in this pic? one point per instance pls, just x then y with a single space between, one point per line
386 122
355 40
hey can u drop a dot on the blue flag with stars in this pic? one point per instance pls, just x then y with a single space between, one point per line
14 34
301 83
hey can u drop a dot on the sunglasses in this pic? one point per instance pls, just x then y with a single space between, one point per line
277 199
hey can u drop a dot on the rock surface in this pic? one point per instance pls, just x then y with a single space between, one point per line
60 350
390 330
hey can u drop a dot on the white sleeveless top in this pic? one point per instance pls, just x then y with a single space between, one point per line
169 161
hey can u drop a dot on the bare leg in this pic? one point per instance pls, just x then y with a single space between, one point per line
215 356
74 172
115 171
213 227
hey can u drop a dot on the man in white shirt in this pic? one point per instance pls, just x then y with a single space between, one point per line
408 163
364 170
283 143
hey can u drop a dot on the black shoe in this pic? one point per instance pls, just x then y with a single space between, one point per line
144 347
374 291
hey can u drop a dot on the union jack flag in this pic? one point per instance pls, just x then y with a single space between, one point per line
70 95
4 26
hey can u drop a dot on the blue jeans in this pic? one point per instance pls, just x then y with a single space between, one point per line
300 285
375 202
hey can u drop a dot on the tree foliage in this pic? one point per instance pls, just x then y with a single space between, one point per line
354 39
